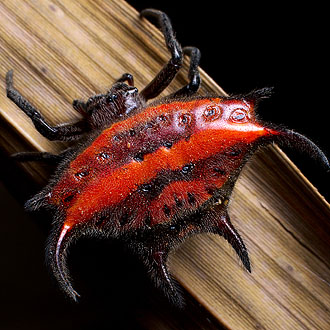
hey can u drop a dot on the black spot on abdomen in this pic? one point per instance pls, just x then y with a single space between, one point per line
139 157
167 210
178 202
191 198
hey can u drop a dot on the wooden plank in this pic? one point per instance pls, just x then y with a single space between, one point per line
63 50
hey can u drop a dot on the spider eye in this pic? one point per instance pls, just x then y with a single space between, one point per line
111 97
239 116
211 113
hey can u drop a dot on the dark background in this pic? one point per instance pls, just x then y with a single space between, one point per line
248 45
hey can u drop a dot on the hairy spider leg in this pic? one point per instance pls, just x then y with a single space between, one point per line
48 157
80 107
126 77
193 73
67 132
169 71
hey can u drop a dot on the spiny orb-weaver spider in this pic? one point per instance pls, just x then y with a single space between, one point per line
150 174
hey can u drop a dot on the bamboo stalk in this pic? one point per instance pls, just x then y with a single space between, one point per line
63 50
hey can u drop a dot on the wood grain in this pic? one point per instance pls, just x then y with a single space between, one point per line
64 50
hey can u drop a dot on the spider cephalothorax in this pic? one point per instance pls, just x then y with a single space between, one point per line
118 103
151 174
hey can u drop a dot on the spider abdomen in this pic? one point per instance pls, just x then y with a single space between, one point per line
165 156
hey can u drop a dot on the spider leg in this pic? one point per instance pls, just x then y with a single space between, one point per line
80 107
126 77
36 156
63 132
40 156
193 73
168 72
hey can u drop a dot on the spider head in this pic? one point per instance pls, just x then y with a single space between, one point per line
102 110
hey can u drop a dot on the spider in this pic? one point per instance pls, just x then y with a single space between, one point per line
150 174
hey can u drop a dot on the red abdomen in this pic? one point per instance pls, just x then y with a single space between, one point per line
165 161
